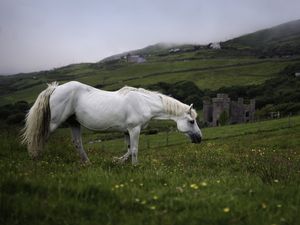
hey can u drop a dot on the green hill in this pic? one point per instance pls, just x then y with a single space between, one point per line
185 67
283 39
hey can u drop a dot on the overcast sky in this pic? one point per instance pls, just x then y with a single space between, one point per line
43 34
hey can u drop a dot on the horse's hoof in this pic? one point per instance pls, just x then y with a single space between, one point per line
117 160
86 162
135 164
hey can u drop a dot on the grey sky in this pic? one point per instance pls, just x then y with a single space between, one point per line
43 34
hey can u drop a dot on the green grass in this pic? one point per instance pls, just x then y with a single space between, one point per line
242 174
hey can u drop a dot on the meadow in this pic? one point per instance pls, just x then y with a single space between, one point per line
239 174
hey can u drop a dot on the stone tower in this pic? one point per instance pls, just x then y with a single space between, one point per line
220 104
237 111
207 111
252 109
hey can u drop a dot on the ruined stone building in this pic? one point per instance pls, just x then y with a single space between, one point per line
222 110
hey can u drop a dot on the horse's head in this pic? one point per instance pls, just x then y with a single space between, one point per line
188 125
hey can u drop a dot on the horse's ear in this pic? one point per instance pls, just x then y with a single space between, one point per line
190 109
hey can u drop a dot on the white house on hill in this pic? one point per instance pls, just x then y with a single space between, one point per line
135 59
215 45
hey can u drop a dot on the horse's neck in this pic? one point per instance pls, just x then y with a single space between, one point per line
155 105
159 111
159 105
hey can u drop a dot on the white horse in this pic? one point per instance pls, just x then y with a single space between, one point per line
127 110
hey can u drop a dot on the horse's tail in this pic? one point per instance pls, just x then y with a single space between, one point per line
37 122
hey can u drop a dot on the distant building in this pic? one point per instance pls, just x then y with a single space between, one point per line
233 111
174 50
215 45
135 58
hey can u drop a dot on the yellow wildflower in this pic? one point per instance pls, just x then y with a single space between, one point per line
194 186
155 197
203 184
226 210
152 207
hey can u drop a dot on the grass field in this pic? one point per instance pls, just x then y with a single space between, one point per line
242 174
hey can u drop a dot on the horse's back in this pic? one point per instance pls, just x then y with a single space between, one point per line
104 110
97 109
100 110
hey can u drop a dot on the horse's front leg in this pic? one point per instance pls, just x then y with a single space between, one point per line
134 134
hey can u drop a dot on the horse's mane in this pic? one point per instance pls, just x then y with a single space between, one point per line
171 105
125 90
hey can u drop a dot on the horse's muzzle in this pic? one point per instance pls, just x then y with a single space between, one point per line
195 138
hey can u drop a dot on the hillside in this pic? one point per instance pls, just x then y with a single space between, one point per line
283 39
192 70
159 48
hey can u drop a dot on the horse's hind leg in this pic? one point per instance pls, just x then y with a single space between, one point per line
77 141
125 157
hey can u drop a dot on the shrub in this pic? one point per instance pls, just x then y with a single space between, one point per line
224 118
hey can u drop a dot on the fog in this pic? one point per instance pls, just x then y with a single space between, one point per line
40 35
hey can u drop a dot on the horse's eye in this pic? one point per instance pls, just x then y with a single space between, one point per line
192 121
